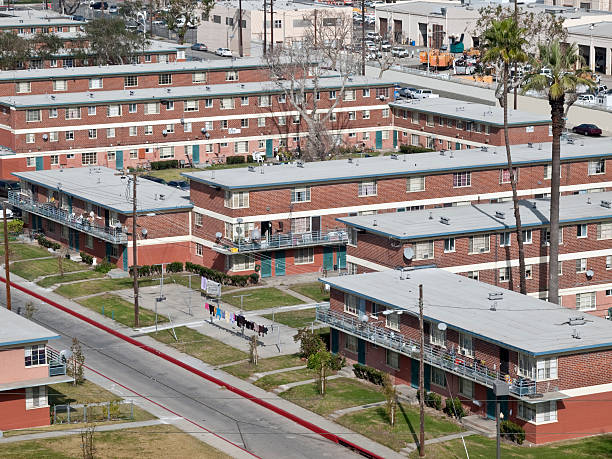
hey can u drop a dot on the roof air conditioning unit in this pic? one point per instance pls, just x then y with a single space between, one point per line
606 204
500 214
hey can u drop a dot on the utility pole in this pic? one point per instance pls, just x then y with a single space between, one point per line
271 25
363 51
7 274
240 49
150 19
516 17
135 251
265 32
421 376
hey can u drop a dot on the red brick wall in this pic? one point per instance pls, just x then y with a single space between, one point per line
16 416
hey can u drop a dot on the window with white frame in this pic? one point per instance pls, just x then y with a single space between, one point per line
73 113
133 154
89 158
581 265
53 136
30 138
424 250
352 236
475 275
244 100
23 87
263 101
349 95
69 135
449 245
479 244
385 113
537 369
304 256
33 115
462 179
151 108
237 199
545 235
332 95
301 225
504 274
165 78
261 122
197 218
528 272
466 346
198 77
133 131
466 388
95 83
113 110
352 115
351 304
36 397
437 336
54 161
226 103
414 140
604 230
582 230
392 321
368 188
609 262
527 237
301 194
392 359
365 114
241 262
538 412
166 152
53 113
60 85
238 231
416 183
190 105
92 133
586 301
438 377
35 355
351 343
597 167
504 175
130 81
231 75
505 239
548 171
199 249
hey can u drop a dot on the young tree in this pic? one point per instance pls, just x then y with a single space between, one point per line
503 44
310 343
14 50
390 393
299 71
253 356
75 365
321 362
109 42
560 87
183 14
87 441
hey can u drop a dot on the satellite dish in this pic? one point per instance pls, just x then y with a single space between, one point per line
255 234
442 326
144 232
164 132
239 220
590 273
203 130
408 253
45 137
65 355
218 235
364 318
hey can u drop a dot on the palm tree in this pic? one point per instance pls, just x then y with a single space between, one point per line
504 43
562 80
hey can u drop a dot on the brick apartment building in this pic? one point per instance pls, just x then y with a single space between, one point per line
27 366
200 123
449 124
479 242
555 363
97 218
286 215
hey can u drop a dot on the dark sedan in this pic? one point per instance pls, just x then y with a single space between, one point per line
587 129
181 184
199 47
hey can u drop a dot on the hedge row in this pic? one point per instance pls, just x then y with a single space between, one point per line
452 406
236 160
368 373
167 164
408 149
43 241
87 259
220 277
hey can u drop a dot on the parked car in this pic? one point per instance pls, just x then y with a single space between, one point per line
385 45
223 52
398 51
199 47
159 22
424 94
78 18
586 99
406 92
113 9
181 184
373 36
587 129
154 179
98 5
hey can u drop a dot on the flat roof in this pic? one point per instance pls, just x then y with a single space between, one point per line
105 187
470 111
601 29
131 69
17 330
477 218
170 93
288 5
35 20
411 164
519 322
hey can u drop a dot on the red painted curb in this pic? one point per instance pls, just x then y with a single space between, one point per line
309 425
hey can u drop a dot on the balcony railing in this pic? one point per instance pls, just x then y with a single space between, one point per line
284 241
57 366
433 355
114 235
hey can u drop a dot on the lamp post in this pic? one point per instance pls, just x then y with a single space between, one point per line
500 389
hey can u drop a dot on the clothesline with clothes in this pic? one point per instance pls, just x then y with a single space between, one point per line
220 314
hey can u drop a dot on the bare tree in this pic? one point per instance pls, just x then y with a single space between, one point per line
61 256
298 70
75 366
88 447
390 393
30 310
253 356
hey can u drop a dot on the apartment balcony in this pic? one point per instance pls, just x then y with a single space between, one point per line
57 365
434 355
48 210
283 241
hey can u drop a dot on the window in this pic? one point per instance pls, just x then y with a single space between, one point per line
505 239
217 19
231 75
582 231
301 225
332 95
528 272
609 262
151 108
461 179
392 359
367 189
35 355
263 101
366 92
93 133
392 321
438 377
545 235
466 387
437 336
304 256
110 132
349 95
278 24
54 161
165 78
465 345
237 200
548 171
30 161
597 167
88 158
91 110
473 275
537 369
133 131
199 249
242 263
23 87
429 120
53 113
479 244
95 83
449 245
414 184
69 135
133 154
60 85
385 113
113 110
244 100
504 274
73 113
226 103
527 237
351 343
424 250
351 304
604 231
30 138
111 155
170 128
198 77
36 397
33 115
538 412
504 175
586 301
166 152
581 265
130 81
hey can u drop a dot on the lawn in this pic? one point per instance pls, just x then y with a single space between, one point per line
374 424
111 285
172 174
245 370
312 290
123 310
154 441
19 251
205 348
260 298
341 393
484 448
295 319
30 270
70 277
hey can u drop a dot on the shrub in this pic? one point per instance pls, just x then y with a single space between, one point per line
103 267
155 269
235 160
368 373
433 400
44 242
222 278
174 267
409 149
310 343
454 408
15 226
254 278
337 362
87 259
512 431
167 164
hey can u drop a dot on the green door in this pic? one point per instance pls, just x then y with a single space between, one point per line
40 163
490 403
109 251
269 148
77 242
361 351
119 160
70 238
195 154
334 340
394 139
266 265
414 373
328 258
427 377
70 204
341 257
279 263
378 140
125 258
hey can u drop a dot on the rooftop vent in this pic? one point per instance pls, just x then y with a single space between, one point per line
445 220
539 146
431 215
242 85
168 90
500 214
576 334
208 88
394 156
251 168
529 144
570 141
484 148
374 223
131 93
496 296
350 160
606 204
91 95
442 152
299 163
162 197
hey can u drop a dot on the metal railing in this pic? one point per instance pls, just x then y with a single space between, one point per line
114 235
434 355
288 240
57 366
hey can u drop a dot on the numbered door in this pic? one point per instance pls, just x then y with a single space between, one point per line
490 403
125 258
328 258
335 340
414 373
269 148
279 263
361 351
394 139
378 140
40 163
118 160
266 265
109 250
341 257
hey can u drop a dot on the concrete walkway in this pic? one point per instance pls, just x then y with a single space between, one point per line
411 447
285 387
352 409
255 376
77 431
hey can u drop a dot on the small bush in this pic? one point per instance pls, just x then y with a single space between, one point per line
368 373
104 266
155 269
409 149
222 278
454 408
512 431
168 164
44 242
87 259
174 267
433 400
235 160
337 362
15 226
254 278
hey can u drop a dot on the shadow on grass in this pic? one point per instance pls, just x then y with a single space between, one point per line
58 398
409 424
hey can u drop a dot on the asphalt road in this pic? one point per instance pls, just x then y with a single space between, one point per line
246 424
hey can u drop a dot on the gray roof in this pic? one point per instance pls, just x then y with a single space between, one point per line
131 69
601 29
171 93
16 330
519 322
36 20
104 187
470 111
421 224
405 165
255 5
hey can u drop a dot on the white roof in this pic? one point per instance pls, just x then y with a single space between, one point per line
17 330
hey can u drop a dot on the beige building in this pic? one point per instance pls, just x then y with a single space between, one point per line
289 23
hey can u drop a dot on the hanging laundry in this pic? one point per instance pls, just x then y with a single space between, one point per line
203 283
206 306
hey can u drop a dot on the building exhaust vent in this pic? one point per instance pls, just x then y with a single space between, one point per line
529 144
251 168
162 197
576 334
350 160
500 214
496 296
442 152
374 223
300 163
570 141
484 149
445 220
606 204
394 156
